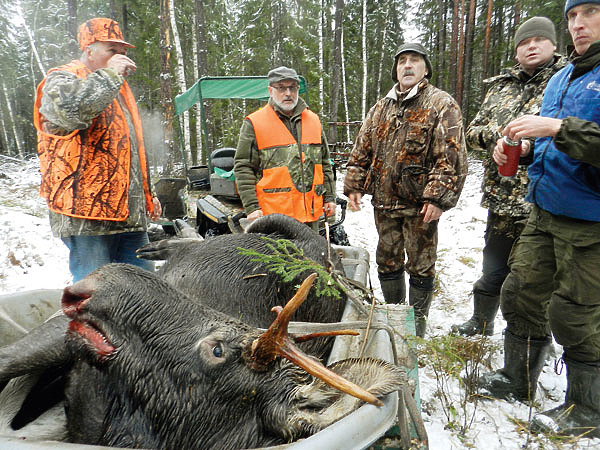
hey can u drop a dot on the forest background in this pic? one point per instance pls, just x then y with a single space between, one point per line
344 49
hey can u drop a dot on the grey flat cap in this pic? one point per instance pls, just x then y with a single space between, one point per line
282 73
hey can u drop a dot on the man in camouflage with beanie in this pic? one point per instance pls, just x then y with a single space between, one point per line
410 156
553 288
516 91
95 176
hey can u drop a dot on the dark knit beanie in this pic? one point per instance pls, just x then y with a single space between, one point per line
571 3
536 27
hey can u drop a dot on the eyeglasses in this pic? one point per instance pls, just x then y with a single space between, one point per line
293 88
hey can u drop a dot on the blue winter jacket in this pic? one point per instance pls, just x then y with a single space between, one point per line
558 183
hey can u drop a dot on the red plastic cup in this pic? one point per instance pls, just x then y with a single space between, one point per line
512 150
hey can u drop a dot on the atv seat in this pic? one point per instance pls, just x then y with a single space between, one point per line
222 158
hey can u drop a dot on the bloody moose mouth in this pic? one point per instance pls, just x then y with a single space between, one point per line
92 337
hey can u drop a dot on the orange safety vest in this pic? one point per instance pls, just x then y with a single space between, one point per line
275 191
85 174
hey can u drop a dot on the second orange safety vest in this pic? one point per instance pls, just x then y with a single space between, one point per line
276 191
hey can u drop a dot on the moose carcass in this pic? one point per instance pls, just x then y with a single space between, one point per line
215 271
151 368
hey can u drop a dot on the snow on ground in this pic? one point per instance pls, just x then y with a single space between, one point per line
31 258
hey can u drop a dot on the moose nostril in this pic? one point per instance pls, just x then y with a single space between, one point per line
77 295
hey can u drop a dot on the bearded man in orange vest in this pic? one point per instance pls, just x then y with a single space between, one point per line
282 160
95 176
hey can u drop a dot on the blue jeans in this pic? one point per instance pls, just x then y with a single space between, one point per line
87 253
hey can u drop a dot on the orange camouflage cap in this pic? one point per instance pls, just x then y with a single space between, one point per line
100 29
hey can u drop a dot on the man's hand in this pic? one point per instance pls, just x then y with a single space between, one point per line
500 157
329 209
430 212
532 126
157 209
121 64
354 200
255 214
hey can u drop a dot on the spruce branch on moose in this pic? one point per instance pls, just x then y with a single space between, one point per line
288 261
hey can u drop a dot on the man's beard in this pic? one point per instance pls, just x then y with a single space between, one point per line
285 107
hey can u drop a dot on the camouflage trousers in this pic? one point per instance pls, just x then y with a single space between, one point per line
554 284
400 235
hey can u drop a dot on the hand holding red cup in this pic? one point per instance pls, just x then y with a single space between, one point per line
512 150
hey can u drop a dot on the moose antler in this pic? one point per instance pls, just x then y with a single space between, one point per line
275 342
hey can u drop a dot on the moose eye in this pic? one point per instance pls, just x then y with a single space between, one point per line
218 351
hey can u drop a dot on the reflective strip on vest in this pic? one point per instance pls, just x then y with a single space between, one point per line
78 185
275 190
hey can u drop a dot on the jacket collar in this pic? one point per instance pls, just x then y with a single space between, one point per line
586 62
413 92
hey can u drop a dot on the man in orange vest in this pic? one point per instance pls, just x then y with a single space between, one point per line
92 159
282 160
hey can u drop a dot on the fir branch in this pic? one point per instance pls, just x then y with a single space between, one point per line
288 261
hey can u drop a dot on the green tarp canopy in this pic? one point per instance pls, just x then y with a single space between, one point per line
226 88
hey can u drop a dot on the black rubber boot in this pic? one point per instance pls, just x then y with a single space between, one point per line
393 286
580 413
485 308
517 380
420 295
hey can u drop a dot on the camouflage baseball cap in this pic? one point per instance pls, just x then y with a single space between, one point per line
100 29
282 73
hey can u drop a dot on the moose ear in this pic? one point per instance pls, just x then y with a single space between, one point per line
323 405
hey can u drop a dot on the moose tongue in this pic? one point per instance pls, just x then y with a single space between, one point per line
276 342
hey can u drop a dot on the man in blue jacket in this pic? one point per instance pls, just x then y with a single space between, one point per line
554 283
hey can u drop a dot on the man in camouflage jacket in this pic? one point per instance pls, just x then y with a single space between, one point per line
410 156
517 91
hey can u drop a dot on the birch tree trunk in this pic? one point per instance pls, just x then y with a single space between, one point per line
345 93
364 60
31 41
321 57
198 150
460 65
11 115
454 47
203 71
335 76
382 46
4 126
72 24
276 14
180 77
173 156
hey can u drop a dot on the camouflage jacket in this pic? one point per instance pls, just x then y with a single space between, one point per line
86 99
248 164
511 94
410 150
